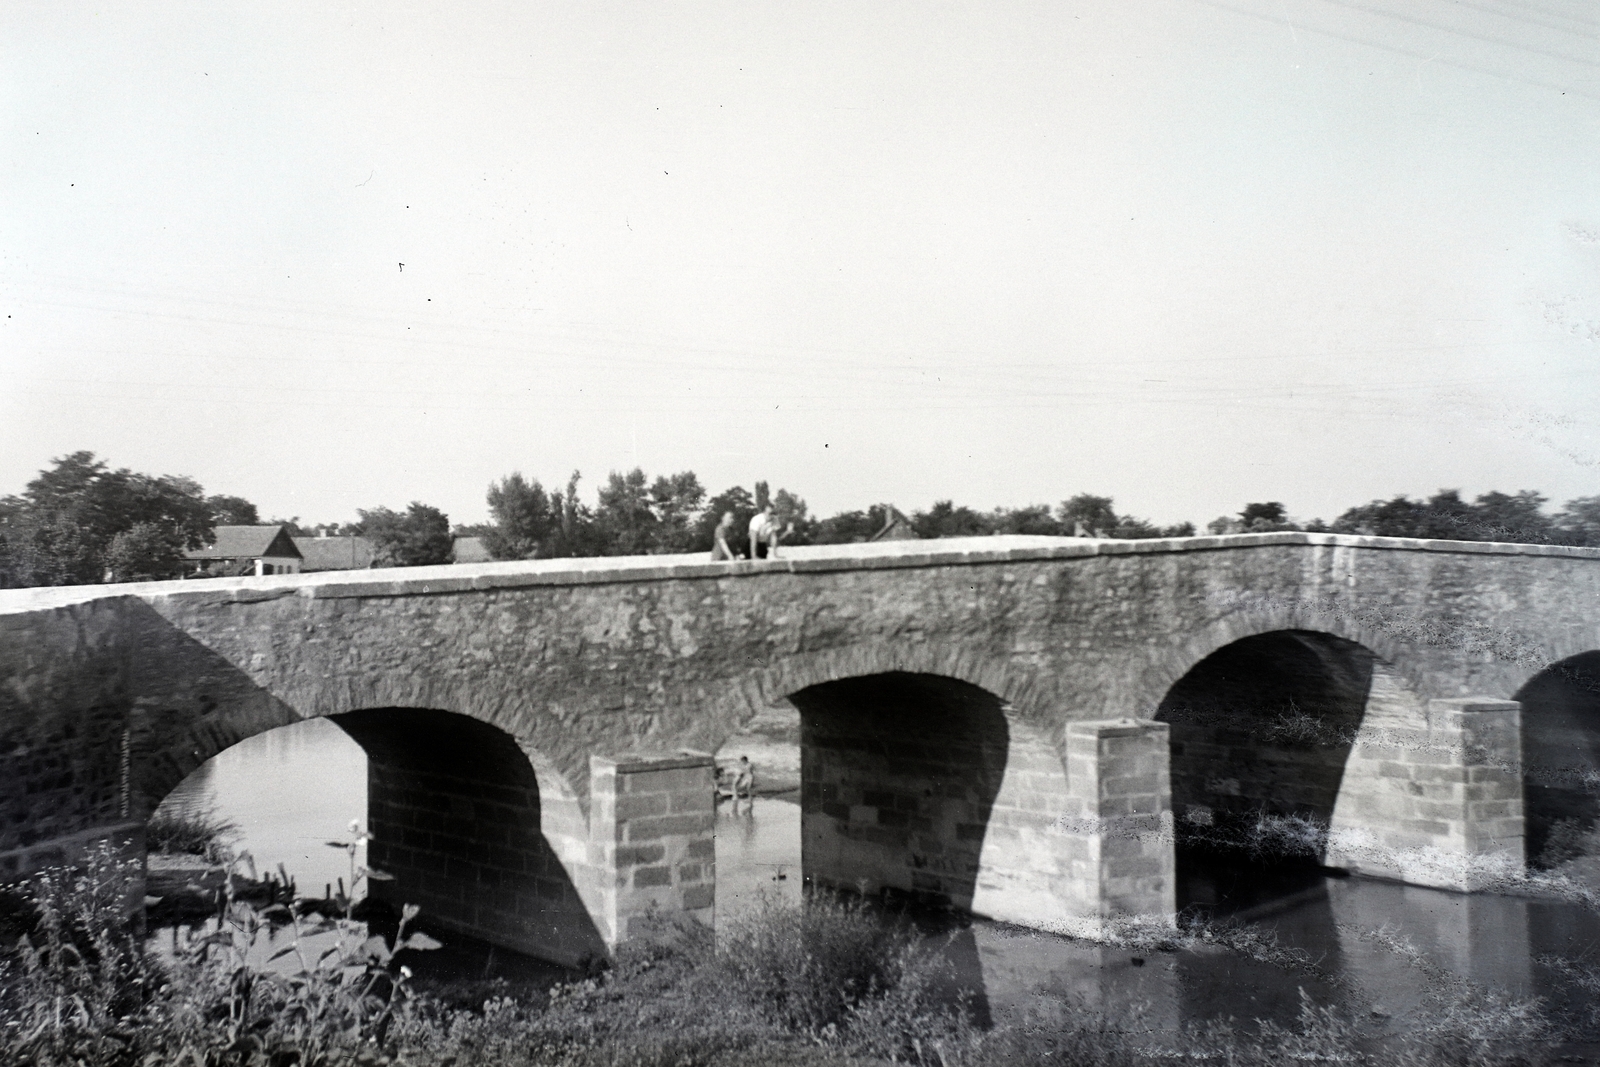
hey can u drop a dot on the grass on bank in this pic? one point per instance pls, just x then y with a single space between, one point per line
830 982
193 833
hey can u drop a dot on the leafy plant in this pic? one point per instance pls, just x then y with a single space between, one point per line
79 976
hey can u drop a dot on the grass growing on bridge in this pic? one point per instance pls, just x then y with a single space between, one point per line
830 983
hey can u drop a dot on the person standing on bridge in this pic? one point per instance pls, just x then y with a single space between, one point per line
719 542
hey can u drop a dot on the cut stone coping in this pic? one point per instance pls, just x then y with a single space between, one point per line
604 570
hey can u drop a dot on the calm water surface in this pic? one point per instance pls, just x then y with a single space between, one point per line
1377 947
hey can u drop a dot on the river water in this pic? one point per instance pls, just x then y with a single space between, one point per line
1378 948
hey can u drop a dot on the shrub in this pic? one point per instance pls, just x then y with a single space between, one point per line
79 978
195 833
810 967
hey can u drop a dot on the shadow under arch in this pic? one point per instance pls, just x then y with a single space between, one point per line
899 776
1560 757
473 833
1261 732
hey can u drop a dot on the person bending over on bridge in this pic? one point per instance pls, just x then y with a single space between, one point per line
719 543
763 534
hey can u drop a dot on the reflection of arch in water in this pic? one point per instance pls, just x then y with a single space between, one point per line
1561 756
930 787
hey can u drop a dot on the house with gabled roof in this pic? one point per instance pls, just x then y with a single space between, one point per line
896 527
247 550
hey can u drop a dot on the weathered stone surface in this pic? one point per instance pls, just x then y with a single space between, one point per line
675 873
576 658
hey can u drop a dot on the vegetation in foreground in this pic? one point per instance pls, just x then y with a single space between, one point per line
827 983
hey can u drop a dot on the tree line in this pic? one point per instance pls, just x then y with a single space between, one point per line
82 522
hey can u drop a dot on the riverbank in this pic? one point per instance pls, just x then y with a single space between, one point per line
829 981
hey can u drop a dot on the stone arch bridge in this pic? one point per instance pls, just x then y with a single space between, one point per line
1019 726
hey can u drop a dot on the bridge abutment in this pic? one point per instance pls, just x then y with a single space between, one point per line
1439 804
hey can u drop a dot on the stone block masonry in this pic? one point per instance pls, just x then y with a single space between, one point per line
900 778
458 818
1120 824
651 849
1437 803
110 696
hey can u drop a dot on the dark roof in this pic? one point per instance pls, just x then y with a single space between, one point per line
334 553
897 528
247 542
470 550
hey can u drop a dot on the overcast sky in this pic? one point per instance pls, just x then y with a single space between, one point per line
1184 253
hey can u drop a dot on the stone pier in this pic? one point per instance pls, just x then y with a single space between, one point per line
651 849
1437 804
1119 824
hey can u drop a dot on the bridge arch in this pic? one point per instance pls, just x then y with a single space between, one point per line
1561 757
924 786
1264 735
478 828
1259 615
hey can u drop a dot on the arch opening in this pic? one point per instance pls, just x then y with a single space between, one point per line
1561 760
933 791
472 833
1261 733
485 836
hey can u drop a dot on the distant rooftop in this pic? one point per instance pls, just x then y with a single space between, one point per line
247 542
346 553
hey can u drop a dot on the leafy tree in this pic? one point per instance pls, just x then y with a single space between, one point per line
625 523
944 519
144 552
577 535
1443 516
1129 528
59 531
232 511
524 519
1264 517
48 549
1033 519
416 537
675 501
1093 513
1520 518
1578 522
